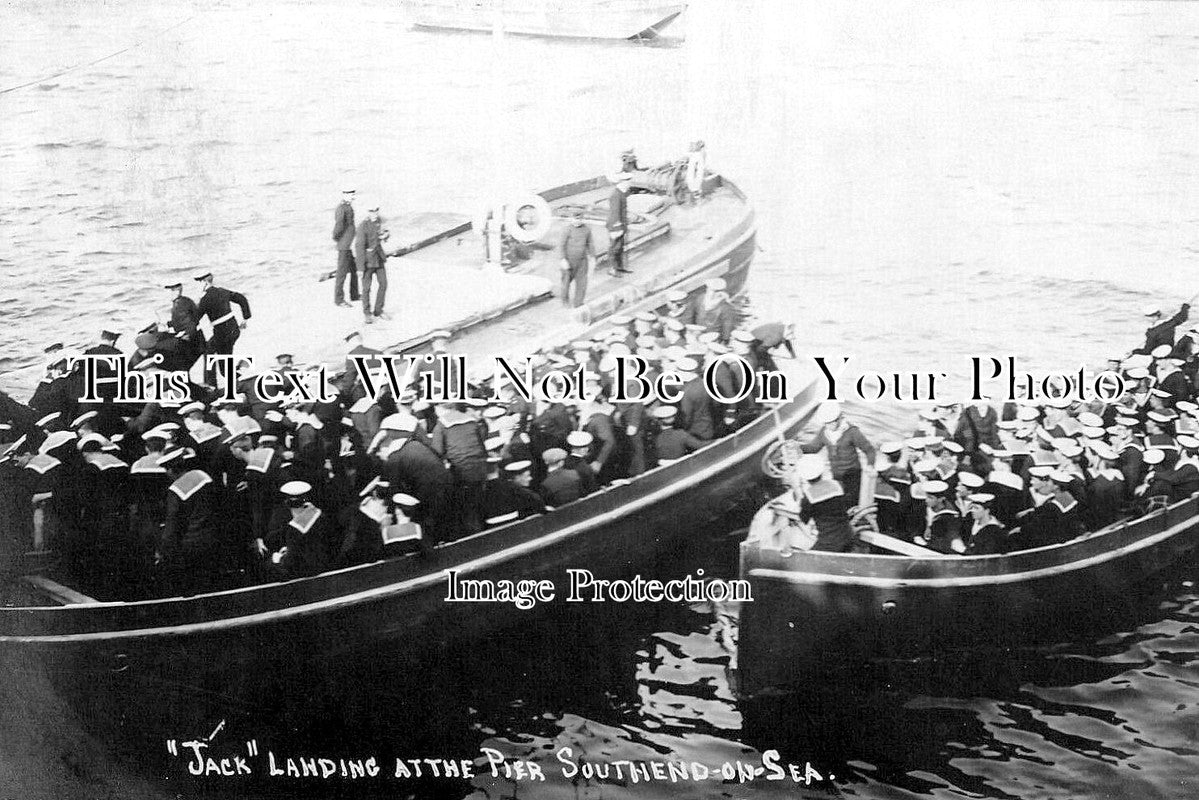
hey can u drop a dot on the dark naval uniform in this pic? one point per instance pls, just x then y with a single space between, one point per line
216 305
190 539
504 501
185 320
560 487
343 234
1163 332
826 505
618 229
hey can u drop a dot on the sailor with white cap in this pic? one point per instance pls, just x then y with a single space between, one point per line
618 225
1161 332
843 443
984 534
509 496
188 552
715 312
1105 493
579 459
216 304
825 505
304 531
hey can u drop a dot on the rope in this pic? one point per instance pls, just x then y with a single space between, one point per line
95 61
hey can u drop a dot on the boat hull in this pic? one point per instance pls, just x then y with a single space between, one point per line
818 611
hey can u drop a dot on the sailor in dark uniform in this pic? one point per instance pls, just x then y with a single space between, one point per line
184 324
1105 493
892 491
343 235
508 497
580 443
188 547
984 535
618 226
673 442
1161 332
944 531
216 304
560 486
306 534
825 506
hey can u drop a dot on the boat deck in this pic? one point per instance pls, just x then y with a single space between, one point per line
444 284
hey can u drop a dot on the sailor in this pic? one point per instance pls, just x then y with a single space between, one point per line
944 526
892 493
1161 332
697 161
216 304
371 255
458 439
596 419
825 505
715 312
977 425
1173 480
633 417
618 225
673 441
843 443
697 409
1172 381
560 486
187 552
985 535
578 258
184 323
1105 493
579 459
343 236
305 534
677 306
16 508
509 497
410 464
109 558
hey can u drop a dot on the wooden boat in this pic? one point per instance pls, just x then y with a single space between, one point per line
574 19
814 610
623 528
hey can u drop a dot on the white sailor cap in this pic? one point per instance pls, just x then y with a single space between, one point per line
982 498
404 500
188 408
1090 419
810 467
742 336
673 324
403 423
1158 416
178 454
1070 449
1041 470
620 319
1060 476
828 412
915 443
375 483
676 296
554 455
1137 373
56 440
1104 450
715 284
1160 393
494 443
155 433
891 447
46 420
926 465
708 337
953 447
970 480
933 488
685 364
665 412
1187 441
1093 432
1161 351
8 450
83 418
645 316
501 519
1028 413
579 439
295 488
440 333
1151 310
517 467
1154 456
92 442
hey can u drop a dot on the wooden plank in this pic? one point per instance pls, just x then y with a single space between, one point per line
64 595
884 542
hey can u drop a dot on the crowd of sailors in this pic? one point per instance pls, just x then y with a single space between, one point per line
979 480
161 499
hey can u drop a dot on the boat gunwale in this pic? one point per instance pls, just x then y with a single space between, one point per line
721 455
1115 542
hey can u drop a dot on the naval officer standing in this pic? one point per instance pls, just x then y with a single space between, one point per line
215 303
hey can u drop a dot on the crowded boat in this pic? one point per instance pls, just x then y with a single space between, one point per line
131 501
984 479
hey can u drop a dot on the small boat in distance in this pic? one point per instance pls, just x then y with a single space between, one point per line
570 19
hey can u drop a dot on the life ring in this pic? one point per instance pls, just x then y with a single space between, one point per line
517 222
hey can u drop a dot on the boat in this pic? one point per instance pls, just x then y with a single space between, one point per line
573 19
815 611
205 639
